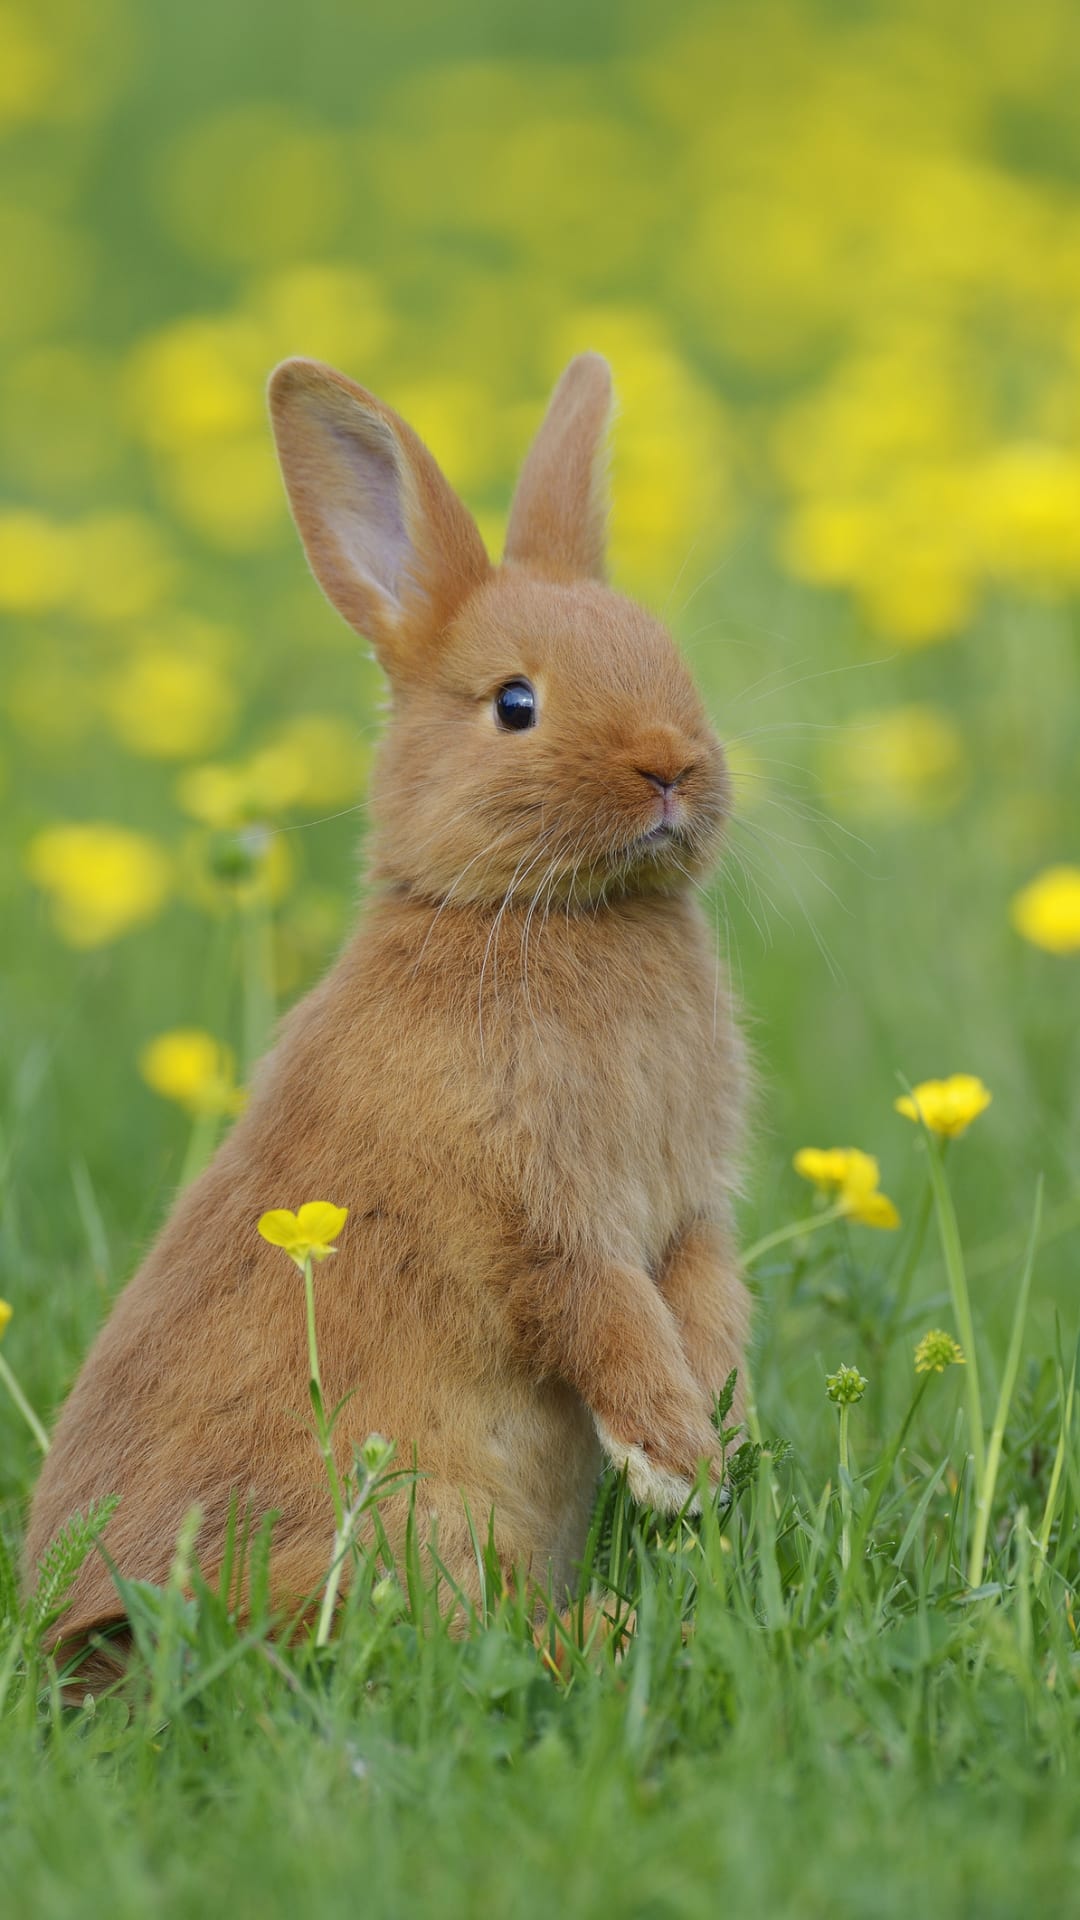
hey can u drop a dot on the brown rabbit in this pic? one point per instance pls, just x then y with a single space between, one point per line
521 1077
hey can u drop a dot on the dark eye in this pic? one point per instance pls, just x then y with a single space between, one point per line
515 706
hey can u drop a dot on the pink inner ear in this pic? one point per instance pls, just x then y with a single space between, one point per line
366 516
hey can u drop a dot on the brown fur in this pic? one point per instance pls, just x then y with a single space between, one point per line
521 1076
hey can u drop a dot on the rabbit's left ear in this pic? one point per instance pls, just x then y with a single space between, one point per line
558 521
388 539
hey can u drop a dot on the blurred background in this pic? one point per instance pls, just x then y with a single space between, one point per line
833 252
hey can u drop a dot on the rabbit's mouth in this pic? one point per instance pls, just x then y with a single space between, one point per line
658 840
664 834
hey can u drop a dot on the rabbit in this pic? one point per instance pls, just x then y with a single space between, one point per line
523 1076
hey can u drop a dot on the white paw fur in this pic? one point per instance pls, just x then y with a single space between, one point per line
650 1485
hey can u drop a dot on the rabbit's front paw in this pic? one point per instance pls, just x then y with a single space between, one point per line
653 1481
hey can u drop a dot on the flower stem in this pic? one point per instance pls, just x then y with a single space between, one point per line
886 1465
323 1427
954 1267
912 1252
312 1342
343 1534
797 1228
845 1490
987 1481
201 1143
258 980
1064 1440
23 1405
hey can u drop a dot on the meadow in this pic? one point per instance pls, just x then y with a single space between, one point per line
833 253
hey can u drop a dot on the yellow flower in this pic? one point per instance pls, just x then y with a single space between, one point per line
101 880
36 563
308 1233
936 1351
194 1069
5 1316
870 1209
1047 911
833 1168
167 704
948 1106
852 1177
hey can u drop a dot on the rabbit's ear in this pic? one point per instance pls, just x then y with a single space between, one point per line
389 541
558 521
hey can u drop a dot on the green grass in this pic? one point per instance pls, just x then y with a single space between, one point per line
765 1728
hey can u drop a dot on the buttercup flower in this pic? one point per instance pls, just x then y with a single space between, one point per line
191 1067
936 1351
1047 912
5 1316
852 1178
832 1168
872 1209
311 1232
948 1106
845 1386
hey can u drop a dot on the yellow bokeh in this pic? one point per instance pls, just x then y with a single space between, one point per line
905 761
330 755
109 566
37 563
1047 910
314 760
669 469
100 880
254 186
324 310
189 1066
196 380
168 705
833 257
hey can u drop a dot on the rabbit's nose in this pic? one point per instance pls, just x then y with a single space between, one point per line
664 782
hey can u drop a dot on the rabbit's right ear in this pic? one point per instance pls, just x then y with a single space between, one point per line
558 519
389 542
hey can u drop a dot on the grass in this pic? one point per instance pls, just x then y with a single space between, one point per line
800 1703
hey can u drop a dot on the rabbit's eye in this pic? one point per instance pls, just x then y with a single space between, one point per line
515 706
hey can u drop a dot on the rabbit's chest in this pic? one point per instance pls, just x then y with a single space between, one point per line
627 1105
